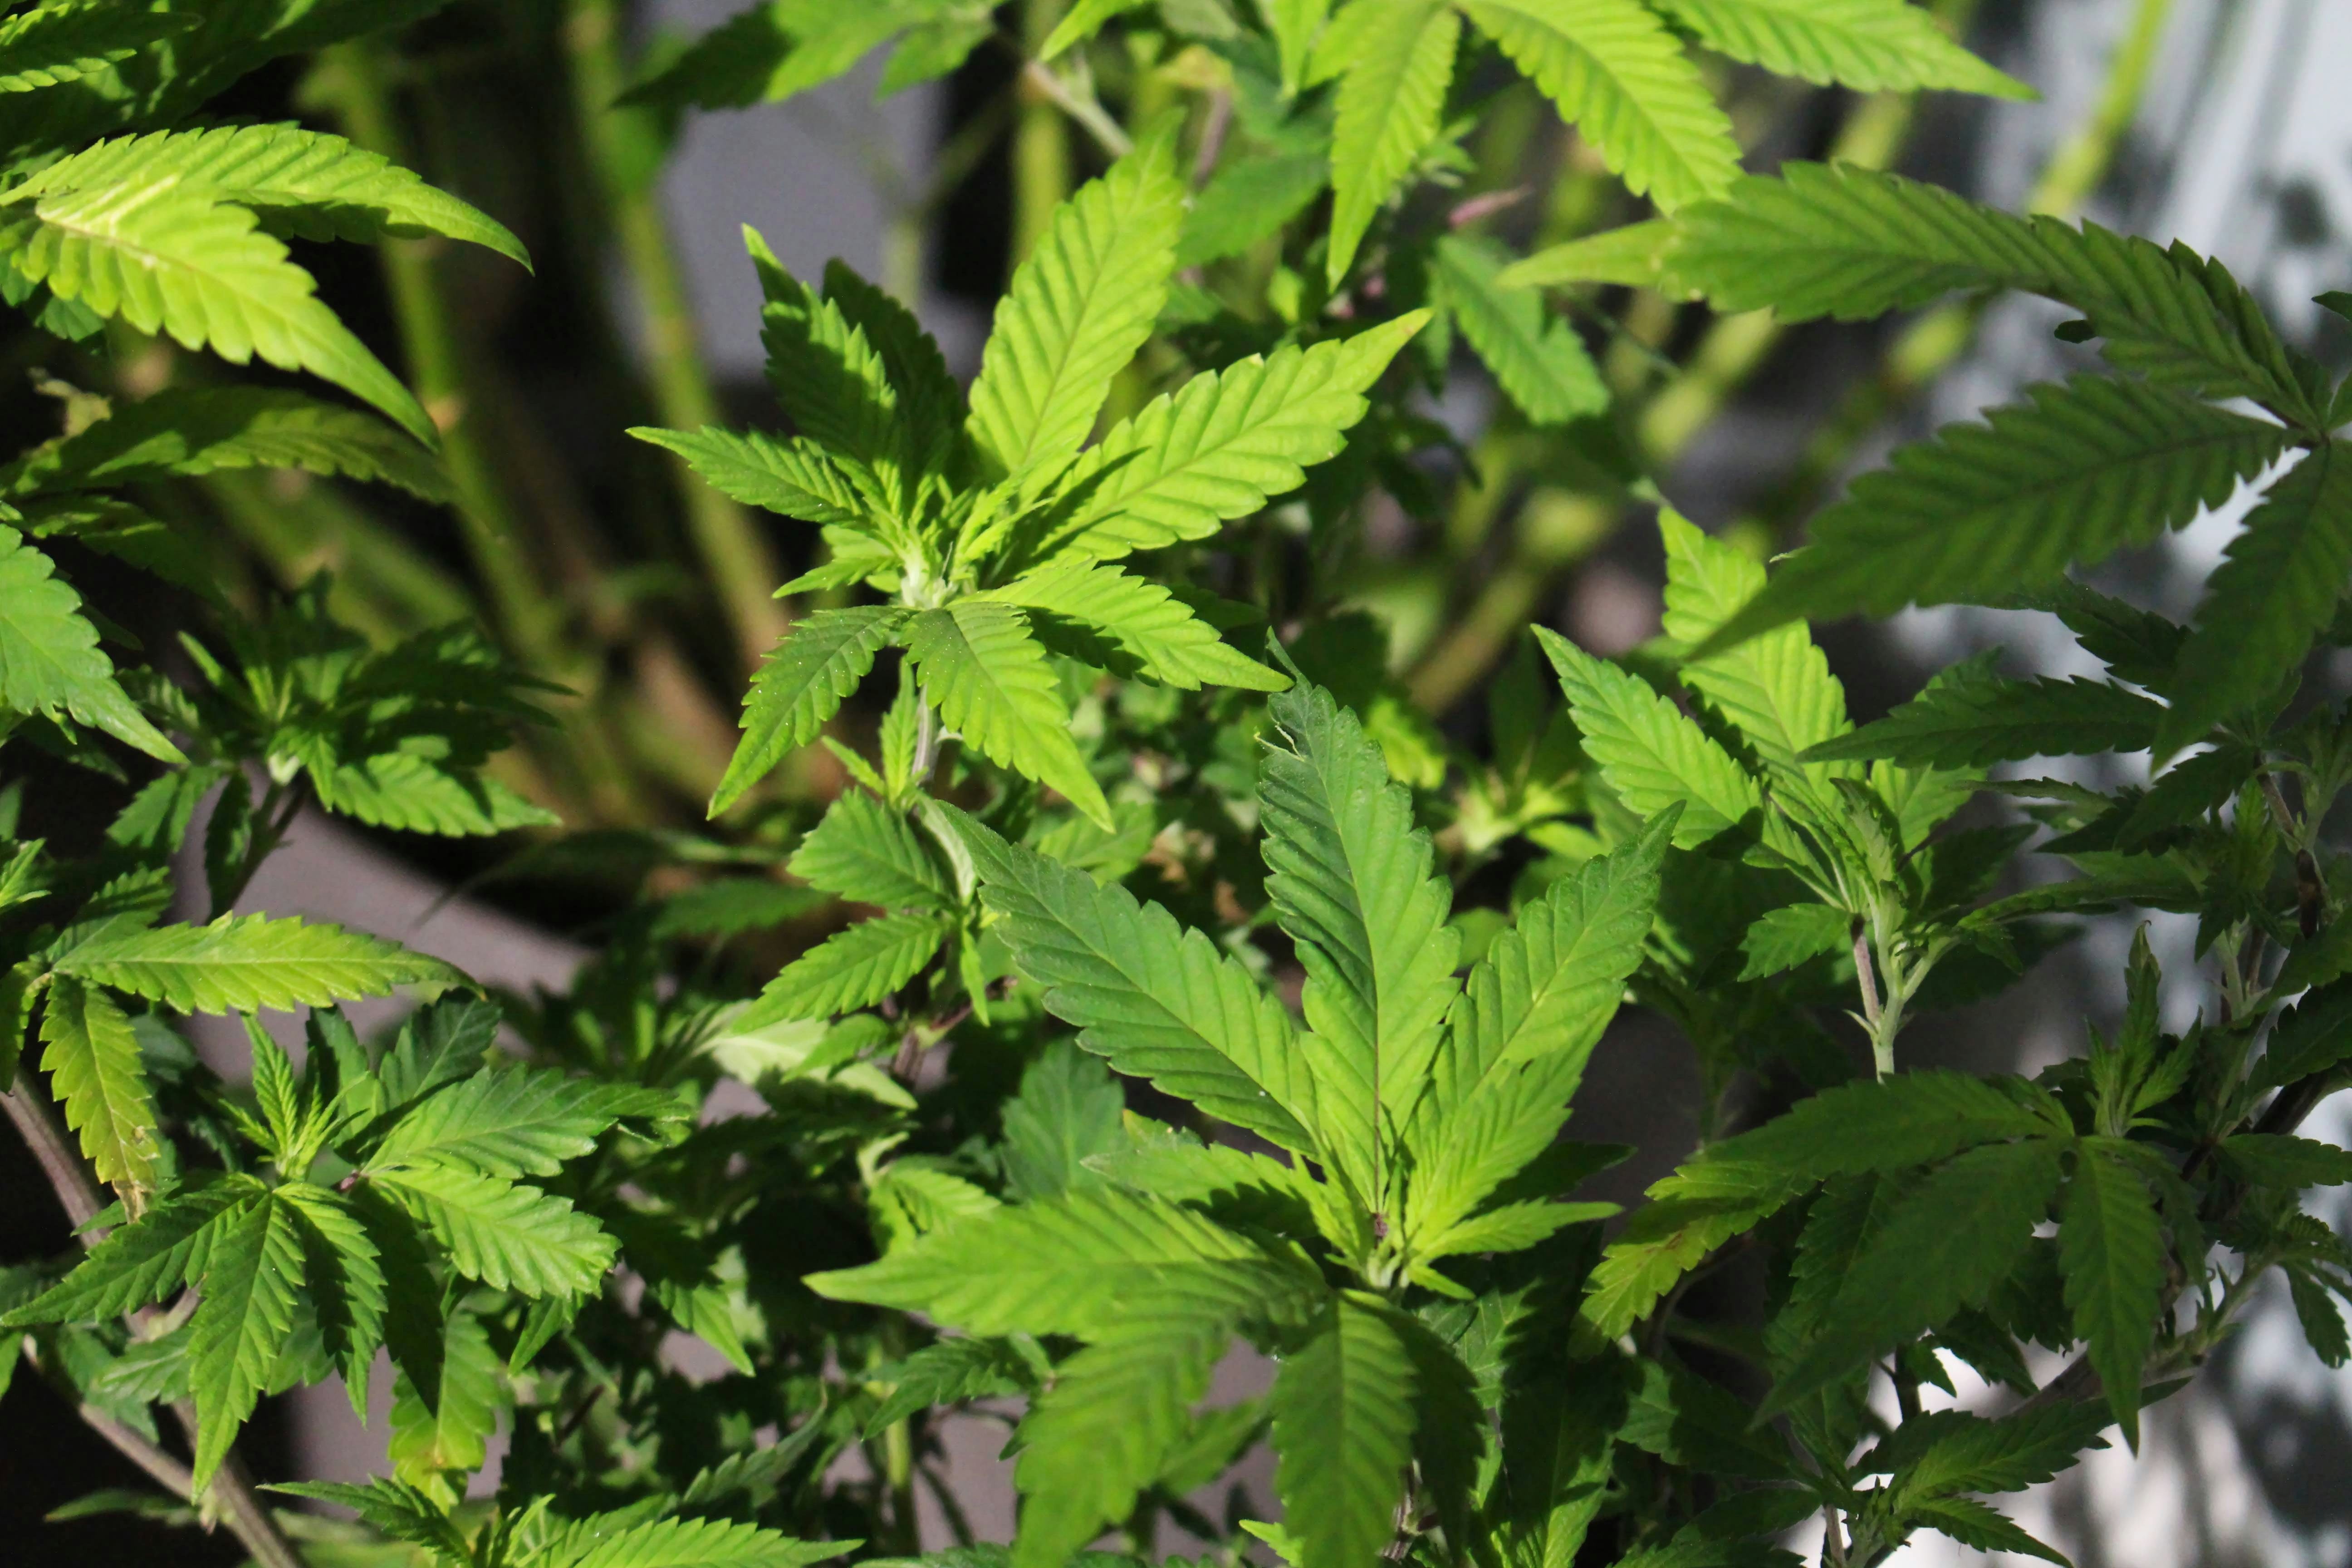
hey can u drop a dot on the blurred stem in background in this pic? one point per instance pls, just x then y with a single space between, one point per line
1040 142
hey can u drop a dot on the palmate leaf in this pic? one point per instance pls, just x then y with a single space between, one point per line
92 1059
245 1312
1104 1429
1350 877
856 967
306 183
2112 1257
1873 45
1220 445
2276 589
1777 688
1158 1000
174 261
867 852
1623 81
988 679
1389 107
2088 467
1973 717
1528 1019
1947 1244
1130 627
517 1122
789 478
1652 756
1343 1426
1078 309
1842 241
1073 1264
143 1262
803 683
248 963
52 45
50 662
192 431
1538 359
506 1235
416 795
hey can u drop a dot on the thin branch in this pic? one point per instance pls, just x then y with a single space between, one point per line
1084 108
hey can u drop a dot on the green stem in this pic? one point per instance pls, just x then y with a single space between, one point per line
737 560
1040 142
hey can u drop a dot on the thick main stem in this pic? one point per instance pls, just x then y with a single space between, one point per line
81 1197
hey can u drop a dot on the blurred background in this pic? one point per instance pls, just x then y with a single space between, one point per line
2225 124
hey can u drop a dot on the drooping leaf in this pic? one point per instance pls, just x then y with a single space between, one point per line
92 1059
856 967
2113 1259
1973 717
246 963
1873 44
445 1424
506 1235
1078 309
344 1276
1538 359
1652 756
252 1275
50 662
171 260
1623 81
1343 1426
803 683
989 680
1350 878
1159 1001
1389 107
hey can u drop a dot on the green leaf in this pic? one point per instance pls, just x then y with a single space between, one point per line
176 261
950 1372
344 1278
1350 879
1873 44
1073 1264
804 681
855 967
1844 241
831 379
1782 939
400 1510
1634 255
1623 81
92 1058
1528 1020
246 963
2112 1257
1222 446
144 1261
52 45
445 1424
1249 200
2088 467
928 397
503 1234
988 679
1390 105
1953 1451
304 183
1776 688
2275 590
703 1543
512 1121
1130 627
790 478
867 853
1081 22
1973 717
1976 1524
192 431
1069 1108
774 50
1078 309
1949 1243
1539 359
1343 1426
2275 1160
1158 1000
252 1276
51 663
1106 1429
1654 756
410 793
